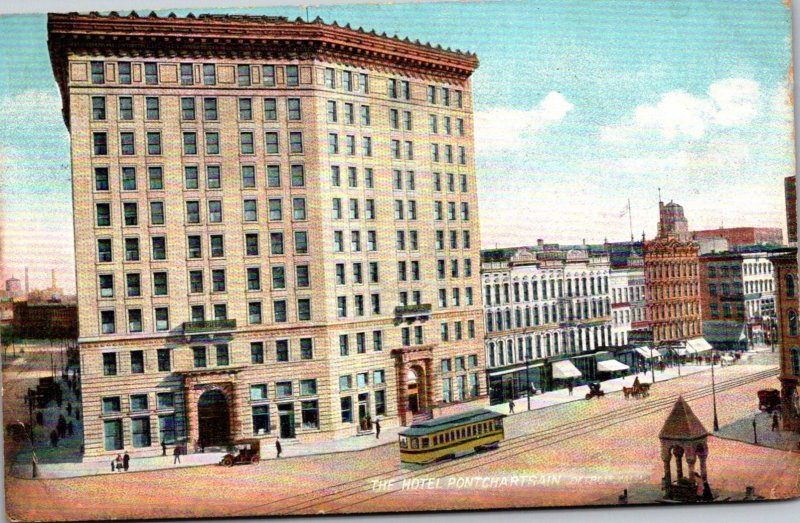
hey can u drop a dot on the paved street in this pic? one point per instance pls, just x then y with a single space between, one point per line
583 452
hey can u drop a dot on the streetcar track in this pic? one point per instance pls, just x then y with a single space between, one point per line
543 437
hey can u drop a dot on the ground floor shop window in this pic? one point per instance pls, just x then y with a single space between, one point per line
310 414
347 410
261 419
380 402
140 432
166 428
113 434
447 393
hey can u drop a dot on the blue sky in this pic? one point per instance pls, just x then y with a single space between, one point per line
580 105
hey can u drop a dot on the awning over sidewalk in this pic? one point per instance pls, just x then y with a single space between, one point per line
648 353
611 366
698 345
564 369
514 369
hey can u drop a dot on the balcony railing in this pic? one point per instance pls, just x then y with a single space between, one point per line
193 327
413 311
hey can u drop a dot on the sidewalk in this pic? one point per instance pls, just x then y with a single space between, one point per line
291 449
557 397
90 467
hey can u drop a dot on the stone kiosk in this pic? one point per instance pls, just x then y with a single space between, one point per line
683 437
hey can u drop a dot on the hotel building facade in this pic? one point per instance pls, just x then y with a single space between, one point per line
276 228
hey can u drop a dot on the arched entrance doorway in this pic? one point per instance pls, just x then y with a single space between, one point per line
214 419
413 390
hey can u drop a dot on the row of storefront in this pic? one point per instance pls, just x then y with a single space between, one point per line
544 375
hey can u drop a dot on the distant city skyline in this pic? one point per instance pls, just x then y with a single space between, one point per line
607 102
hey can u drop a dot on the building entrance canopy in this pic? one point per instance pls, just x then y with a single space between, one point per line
611 366
563 370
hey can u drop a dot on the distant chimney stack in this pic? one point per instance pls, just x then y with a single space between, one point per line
540 243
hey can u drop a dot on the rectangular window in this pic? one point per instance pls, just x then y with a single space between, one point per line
296 142
133 284
271 142
127 145
261 424
279 309
98 108
100 144
199 357
98 73
154 143
246 144
209 74
251 244
310 413
282 350
138 402
254 314
293 109
150 73
187 74
292 75
276 243
243 74
187 109
124 72
109 363
268 74
215 211
257 352
112 434
152 109
304 309
347 409
306 349
135 320
137 365
283 389
111 405
223 355
164 357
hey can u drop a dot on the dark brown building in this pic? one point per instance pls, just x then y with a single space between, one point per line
742 236
790 185
45 320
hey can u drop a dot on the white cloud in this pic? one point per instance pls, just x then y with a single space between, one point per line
732 102
504 129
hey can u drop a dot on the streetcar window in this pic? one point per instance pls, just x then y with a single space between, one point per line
403 442
435 440
425 443
414 443
498 423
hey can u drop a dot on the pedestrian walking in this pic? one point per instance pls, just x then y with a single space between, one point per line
570 386
54 438
511 406
126 461
176 453
113 465
61 426
775 425
278 449
118 462
377 428
163 448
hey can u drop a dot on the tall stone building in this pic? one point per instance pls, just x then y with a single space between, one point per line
672 280
275 221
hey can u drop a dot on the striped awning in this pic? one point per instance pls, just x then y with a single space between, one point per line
648 353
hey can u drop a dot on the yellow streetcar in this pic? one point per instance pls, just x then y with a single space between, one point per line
451 436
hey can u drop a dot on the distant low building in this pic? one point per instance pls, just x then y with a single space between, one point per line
741 236
45 320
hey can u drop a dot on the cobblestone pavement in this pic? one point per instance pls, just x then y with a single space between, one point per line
582 468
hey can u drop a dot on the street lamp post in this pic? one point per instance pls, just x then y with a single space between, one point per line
714 395
652 365
528 380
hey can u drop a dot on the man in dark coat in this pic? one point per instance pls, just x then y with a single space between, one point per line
377 428
163 448
126 461
176 452
278 448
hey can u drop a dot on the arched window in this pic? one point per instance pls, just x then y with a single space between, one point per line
790 288
792 323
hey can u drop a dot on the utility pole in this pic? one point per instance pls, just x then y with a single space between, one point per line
528 380
714 394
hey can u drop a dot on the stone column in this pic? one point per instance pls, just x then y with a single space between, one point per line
703 469
678 453
402 393
666 457
429 384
